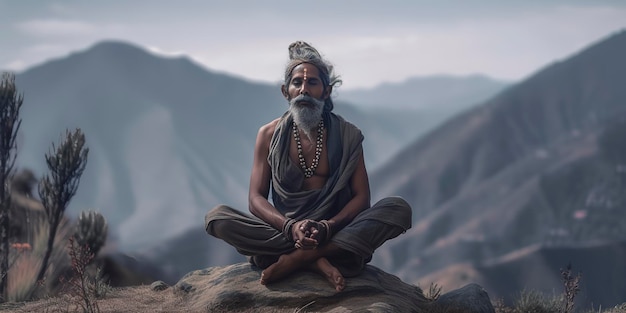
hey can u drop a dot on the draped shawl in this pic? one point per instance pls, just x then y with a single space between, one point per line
344 147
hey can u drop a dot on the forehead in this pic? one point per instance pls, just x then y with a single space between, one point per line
311 70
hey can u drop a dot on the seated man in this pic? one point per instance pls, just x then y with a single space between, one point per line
312 159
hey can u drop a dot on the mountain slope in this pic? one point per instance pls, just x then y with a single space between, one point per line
151 125
560 102
538 268
525 167
442 92
420 104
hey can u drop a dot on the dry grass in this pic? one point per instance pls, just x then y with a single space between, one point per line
434 292
22 284
143 299
137 299
533 301
22 276
133 299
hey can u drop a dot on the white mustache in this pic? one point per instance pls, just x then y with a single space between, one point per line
306 98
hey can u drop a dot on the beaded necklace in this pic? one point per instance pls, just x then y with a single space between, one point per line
309 171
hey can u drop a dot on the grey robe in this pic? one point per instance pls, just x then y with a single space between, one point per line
371 228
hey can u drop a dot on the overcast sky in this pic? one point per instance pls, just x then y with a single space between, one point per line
369 42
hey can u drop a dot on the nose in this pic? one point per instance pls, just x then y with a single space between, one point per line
304 90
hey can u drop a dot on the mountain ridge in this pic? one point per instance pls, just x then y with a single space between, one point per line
525 167
110 98
167 136
425 93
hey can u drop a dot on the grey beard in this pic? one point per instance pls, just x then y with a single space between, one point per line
306 117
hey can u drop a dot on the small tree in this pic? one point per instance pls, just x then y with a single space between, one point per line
66 164
91 231
10 104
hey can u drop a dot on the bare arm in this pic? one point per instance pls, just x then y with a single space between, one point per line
359 184
260 179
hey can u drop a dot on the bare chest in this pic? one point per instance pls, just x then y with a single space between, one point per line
304 151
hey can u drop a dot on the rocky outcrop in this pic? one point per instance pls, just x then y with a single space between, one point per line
237 288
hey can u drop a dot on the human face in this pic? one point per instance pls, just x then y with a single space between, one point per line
305 80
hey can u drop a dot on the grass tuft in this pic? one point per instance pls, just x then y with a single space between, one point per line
434 292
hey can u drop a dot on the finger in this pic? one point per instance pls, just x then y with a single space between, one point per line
308 242
299 231
299 236
308 230
301 225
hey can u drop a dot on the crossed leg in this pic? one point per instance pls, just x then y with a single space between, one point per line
313 259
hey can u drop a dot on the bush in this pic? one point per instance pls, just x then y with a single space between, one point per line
91 230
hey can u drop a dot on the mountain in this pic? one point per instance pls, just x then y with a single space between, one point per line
543 162
419 104
168 139
538 267
437 92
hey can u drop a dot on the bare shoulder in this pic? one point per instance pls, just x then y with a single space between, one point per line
269 127
267 131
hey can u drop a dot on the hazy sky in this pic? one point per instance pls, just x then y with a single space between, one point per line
369 42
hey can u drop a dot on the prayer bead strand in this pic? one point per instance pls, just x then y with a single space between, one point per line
309 171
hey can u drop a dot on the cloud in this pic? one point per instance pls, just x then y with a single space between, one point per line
166 53
39 52
62 9
68 29
507 44
56 27
510 47
46 49
15 65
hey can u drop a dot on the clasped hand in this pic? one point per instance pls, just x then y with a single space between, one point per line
308 234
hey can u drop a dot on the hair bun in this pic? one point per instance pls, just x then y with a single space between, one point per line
301 50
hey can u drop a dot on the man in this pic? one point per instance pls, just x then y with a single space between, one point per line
312 160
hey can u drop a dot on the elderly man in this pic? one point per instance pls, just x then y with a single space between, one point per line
311 159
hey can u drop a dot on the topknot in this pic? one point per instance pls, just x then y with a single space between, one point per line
303 51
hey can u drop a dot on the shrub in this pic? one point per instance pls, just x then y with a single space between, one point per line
10 104
91 230
66 164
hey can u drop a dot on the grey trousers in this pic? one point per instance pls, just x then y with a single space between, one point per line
253 237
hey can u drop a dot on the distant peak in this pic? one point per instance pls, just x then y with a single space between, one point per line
120 48
116 46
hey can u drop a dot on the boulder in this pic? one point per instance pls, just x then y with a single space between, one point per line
237 288
471 298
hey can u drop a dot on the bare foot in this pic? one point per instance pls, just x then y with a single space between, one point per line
286 264
332 274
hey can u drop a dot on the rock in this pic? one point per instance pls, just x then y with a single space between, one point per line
126 270
159 285
183 288
471 298
237 288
